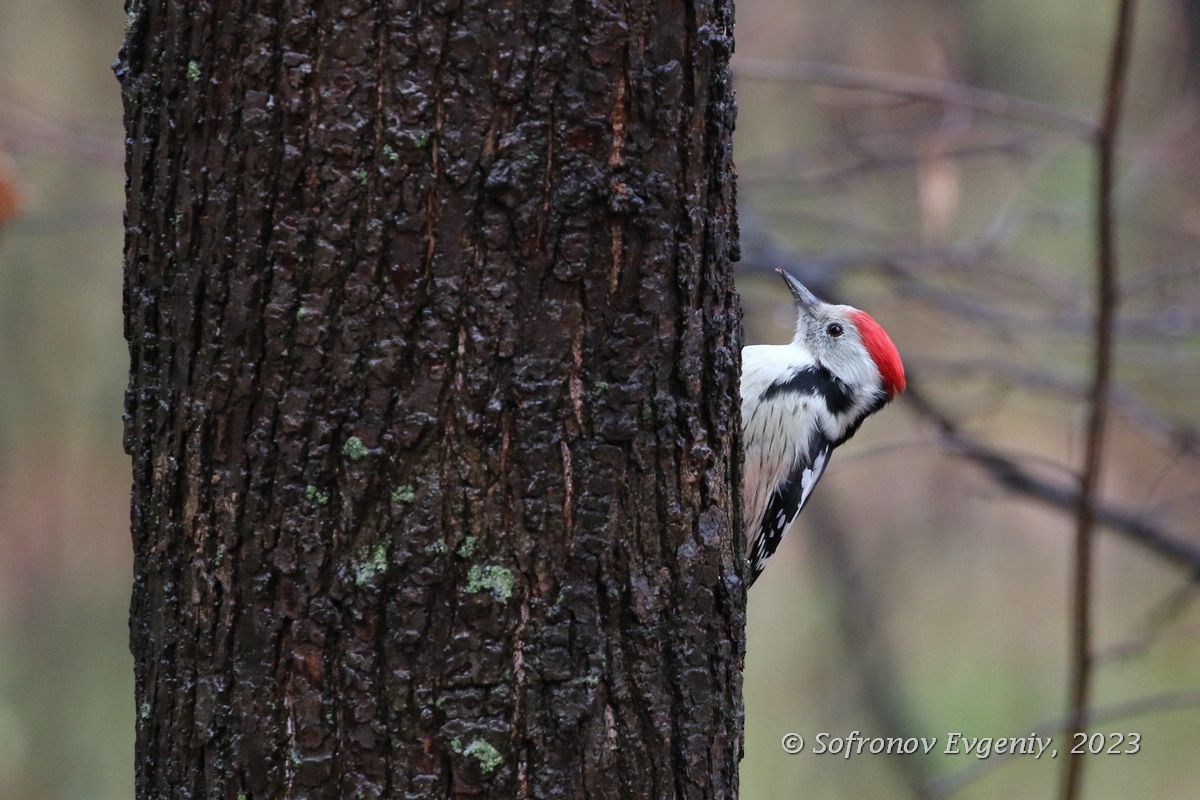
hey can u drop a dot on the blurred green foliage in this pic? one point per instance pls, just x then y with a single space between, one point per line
914 595
66 695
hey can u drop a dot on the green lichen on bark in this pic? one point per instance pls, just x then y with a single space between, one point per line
489 757
497 580
354 449
372 562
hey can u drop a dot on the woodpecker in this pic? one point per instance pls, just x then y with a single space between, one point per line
799 402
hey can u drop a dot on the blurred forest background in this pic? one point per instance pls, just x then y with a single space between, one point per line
926 589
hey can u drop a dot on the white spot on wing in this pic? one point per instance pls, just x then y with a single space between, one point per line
809 478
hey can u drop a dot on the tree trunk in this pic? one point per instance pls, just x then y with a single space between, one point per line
433 399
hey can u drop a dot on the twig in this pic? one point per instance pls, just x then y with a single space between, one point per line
1176 437
1106 306
1009 473
1156 628
948 784
27 129
770 173
996 104
859 615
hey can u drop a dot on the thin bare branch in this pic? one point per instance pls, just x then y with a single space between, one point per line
1174 436
1012 475
859 612
27 129
948 784
1156 627
996 104
1106 313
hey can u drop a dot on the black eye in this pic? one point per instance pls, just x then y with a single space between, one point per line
834 329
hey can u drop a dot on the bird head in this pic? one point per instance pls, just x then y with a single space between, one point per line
846 341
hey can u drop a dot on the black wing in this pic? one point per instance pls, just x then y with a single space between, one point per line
786 502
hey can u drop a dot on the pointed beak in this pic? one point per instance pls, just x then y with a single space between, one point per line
803 296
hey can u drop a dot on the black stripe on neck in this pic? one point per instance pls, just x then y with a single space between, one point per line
814 381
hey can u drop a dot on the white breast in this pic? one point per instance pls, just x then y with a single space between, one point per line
777 433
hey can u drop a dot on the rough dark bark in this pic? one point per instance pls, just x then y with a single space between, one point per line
432 405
